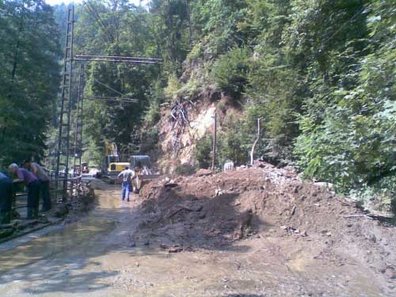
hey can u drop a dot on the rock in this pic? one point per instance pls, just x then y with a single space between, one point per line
175 249
390 272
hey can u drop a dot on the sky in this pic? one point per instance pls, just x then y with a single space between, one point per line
54 2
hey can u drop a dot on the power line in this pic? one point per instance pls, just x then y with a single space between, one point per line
98 19
118 59
118 99
108 87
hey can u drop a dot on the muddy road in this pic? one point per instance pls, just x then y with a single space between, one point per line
151 247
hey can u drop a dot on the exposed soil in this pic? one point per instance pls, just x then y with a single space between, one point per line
277 218
252 232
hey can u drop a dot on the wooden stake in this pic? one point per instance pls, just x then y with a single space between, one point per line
214 142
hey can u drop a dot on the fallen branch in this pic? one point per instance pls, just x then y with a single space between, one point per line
178 210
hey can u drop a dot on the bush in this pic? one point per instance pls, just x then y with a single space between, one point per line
203 152
152 115
236 147
379 196
173 87
231 70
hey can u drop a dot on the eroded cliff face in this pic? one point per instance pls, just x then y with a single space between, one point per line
184 123
179 133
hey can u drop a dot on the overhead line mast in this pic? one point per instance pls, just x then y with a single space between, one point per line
63 146
63 151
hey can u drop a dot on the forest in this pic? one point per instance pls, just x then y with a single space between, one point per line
319 74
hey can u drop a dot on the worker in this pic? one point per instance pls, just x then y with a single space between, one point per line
32 184
44 183
5 198
137 181
127 176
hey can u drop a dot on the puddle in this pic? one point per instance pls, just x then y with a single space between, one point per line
76 239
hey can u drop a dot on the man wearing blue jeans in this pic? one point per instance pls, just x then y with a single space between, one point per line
127 175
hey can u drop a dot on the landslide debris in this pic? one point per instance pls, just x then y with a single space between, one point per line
214 210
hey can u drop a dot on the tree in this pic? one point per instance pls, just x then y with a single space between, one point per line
29 55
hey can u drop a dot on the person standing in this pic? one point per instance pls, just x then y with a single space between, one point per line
44 182
137 182
5 198
33 186
127 175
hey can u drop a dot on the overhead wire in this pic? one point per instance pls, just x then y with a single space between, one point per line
99 20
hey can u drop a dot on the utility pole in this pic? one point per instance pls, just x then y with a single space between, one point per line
78 140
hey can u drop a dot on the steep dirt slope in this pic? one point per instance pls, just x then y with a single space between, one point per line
179 133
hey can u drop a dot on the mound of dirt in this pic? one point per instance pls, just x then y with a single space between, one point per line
215 210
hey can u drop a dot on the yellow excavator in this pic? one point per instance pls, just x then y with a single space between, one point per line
112 164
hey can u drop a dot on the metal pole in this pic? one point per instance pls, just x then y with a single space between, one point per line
78 123
64 198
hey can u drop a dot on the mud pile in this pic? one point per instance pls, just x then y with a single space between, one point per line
214 210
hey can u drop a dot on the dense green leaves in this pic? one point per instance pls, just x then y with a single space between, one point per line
230 71
29 55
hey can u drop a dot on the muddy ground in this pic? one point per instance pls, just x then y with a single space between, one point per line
252 232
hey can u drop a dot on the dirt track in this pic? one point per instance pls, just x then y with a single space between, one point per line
255 232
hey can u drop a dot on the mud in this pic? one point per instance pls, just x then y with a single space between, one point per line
254 232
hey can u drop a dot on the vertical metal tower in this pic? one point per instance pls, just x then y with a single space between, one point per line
78 130
63 149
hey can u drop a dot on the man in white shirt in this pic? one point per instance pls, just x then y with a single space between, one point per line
127 175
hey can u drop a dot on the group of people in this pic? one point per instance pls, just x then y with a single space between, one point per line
36 181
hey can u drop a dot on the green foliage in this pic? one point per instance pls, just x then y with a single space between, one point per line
380 195
118 28
149 140
173 87
173 31
348 133
203 152
155 98
29 75
217 24
235 148
231 70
